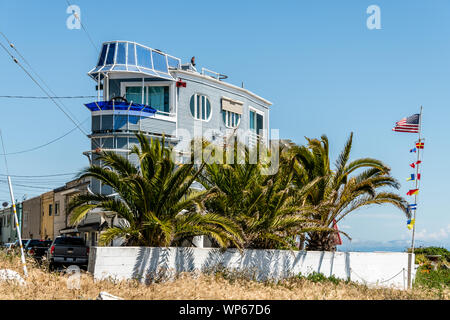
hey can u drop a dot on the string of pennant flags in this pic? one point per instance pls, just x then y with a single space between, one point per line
412 124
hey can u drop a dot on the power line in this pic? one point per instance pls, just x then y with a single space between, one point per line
45 144
85 29
40 86
42 176
42 97
32 70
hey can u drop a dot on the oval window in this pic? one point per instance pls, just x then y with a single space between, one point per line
200 107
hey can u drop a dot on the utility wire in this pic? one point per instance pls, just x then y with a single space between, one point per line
42 176
45 144
42 97
45 91
85 29
32 70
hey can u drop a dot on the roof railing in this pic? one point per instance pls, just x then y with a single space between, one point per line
218 76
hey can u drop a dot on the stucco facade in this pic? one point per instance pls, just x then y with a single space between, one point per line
31 218
47 215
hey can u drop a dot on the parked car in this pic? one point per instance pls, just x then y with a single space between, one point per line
67 251
38 250
16 244
29 243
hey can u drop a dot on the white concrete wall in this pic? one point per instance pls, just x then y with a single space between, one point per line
386 269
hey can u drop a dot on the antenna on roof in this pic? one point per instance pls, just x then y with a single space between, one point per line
242 85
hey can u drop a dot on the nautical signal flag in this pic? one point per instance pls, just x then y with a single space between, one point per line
413 177
410 124
420 145
412 206
412 192
413 150
410 223
413 165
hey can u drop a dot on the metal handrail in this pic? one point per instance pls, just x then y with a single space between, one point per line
219 76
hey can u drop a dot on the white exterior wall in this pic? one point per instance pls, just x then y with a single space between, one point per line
385 269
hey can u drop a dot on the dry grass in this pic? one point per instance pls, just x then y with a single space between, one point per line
44 285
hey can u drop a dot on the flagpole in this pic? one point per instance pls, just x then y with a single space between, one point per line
411 262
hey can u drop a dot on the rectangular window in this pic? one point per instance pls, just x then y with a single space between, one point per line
134 94
107 122
120 122
95 123
50 209
256 122
121 53
157 97
252 120
108 143
57 208
122 143
111 52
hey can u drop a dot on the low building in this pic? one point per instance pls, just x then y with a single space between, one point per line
7 226
63 196
31 218
47 215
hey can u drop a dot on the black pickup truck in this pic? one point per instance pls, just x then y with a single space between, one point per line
67 251
37 249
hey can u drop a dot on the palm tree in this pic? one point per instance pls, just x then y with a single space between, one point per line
341 191
155 204
264 207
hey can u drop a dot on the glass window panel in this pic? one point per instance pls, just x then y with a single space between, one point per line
197 115
95 143
131 53
101 60
95 123
252 120
203 108
134 141
111 51
259 123
208 108
122 143
133 119
108 143
107 122
143 57
156 98
159 62
120 122
224 117
174 63
121 53
192 105
134 94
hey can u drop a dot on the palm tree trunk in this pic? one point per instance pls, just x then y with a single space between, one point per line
320 241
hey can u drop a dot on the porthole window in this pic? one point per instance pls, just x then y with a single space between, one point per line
200 107
231 119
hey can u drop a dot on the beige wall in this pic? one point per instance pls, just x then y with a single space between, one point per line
31 218
47 217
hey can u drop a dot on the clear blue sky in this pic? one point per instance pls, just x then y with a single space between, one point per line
324 71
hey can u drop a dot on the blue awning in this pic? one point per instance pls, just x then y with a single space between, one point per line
119 105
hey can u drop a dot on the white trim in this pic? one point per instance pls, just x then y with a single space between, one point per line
195 106
209 79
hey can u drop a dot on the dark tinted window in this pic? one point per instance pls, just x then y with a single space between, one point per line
69 241
43 244
32 243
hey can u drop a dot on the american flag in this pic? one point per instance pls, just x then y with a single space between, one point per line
410 124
